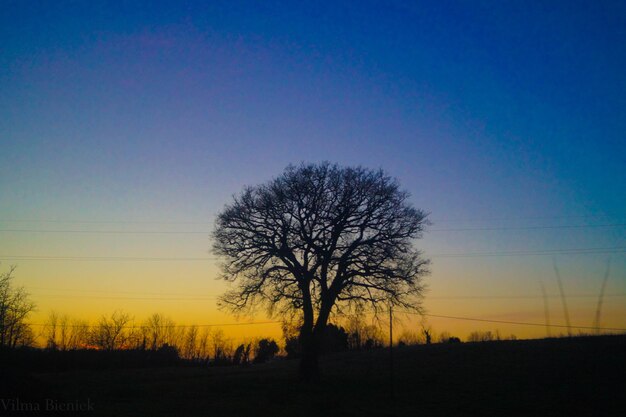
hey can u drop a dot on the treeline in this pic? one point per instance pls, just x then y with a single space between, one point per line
119 341
15 306
158 339
119 332
354 334
427 335
158 333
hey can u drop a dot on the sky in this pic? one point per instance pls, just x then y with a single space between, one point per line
504 120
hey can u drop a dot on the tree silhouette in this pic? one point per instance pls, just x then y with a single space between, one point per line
265 350
112 333
334 339
15 306
242 355
319 238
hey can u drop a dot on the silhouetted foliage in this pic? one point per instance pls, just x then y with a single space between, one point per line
157 331
408 338
63 333
117 332
363 336
446 337
371 343
113 332
292 347
427 331
318 238
242 355
265 350
483 336
335 339
63 360
168 351
222 349
15 306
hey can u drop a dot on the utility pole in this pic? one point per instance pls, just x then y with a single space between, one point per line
391 351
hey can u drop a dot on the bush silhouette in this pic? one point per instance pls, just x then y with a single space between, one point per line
265 350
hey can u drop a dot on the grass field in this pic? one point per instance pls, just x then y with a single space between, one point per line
555 377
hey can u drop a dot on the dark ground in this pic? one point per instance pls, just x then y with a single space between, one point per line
583 376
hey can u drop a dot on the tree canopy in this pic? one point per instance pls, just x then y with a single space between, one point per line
321 238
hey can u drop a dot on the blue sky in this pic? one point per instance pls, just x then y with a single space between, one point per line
507 114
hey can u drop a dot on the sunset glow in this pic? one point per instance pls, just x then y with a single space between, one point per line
125 130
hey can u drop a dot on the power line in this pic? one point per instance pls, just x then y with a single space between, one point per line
573 226
571 251
101 221
124 232
172 325
101 297
192 297
403 311
492 219
516 297
101 258
520 323
142 293
457 220
208 232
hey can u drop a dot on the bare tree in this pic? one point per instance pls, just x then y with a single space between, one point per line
50 329
113 332
483 336
444 337
78 334
242 354
362 335
15 306
203 345
159 330
189 348
63 333
427 331
320 239
411 338
222 347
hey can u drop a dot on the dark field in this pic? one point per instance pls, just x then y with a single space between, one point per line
555 377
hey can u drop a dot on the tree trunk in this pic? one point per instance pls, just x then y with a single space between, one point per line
310 341
309 368
309 364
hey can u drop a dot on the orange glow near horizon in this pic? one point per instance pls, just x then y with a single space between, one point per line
186 291
127 127
491 288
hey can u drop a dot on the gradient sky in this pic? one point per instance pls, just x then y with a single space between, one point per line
149 116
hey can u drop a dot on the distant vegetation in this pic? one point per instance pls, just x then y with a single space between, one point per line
119 332
158 333
15 307
118 340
